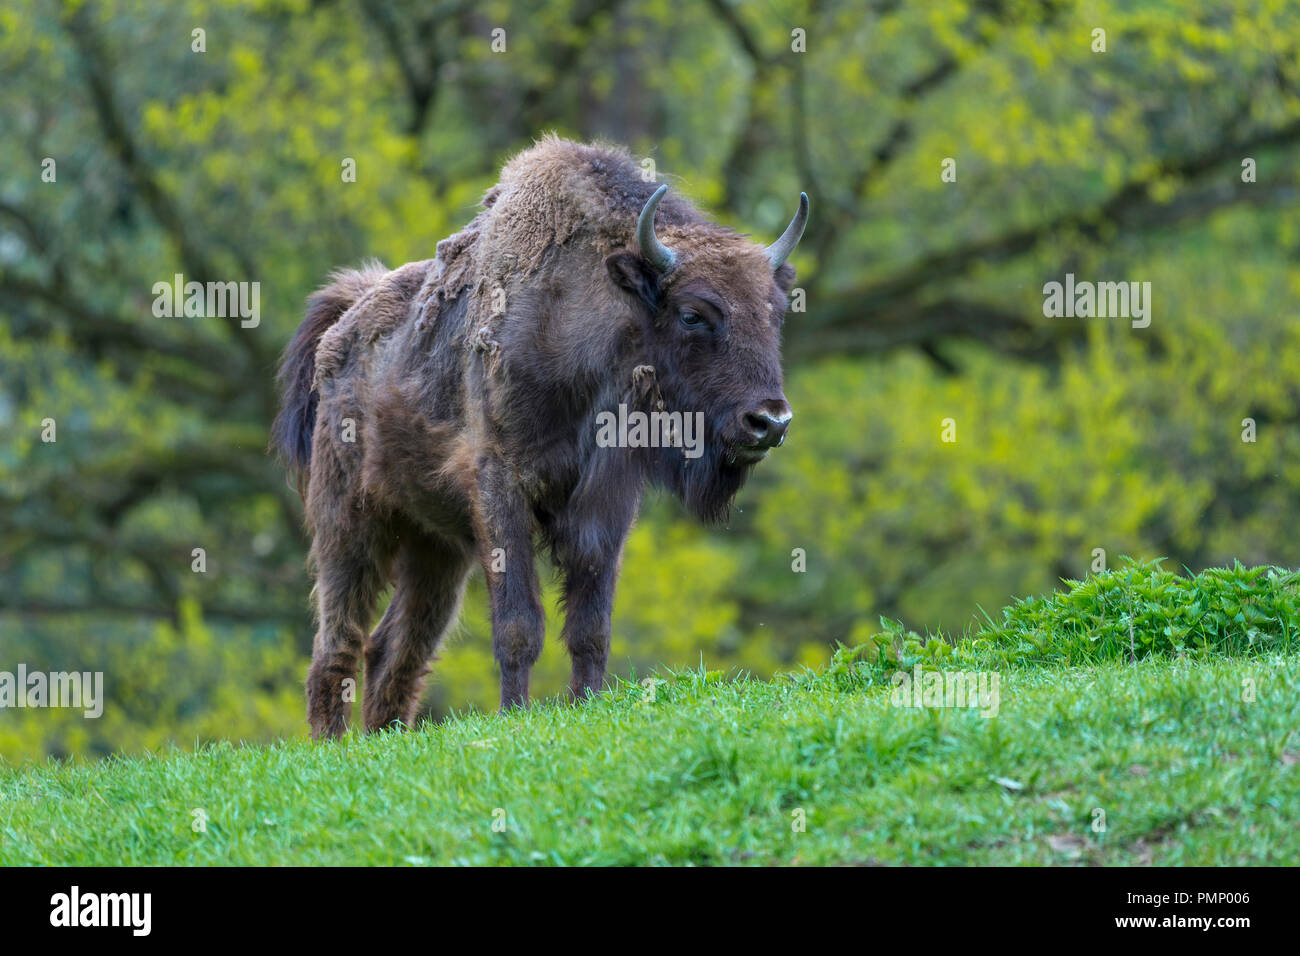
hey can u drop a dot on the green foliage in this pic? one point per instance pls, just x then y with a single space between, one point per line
924 303
181 683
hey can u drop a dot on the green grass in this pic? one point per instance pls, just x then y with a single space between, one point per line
1192 755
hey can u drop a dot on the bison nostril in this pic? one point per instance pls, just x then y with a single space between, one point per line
766 429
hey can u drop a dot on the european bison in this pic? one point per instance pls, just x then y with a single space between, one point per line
448 410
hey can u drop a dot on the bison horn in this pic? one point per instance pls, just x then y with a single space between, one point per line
660 256
780 250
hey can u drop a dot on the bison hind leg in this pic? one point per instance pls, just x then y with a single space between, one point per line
430 577
349 578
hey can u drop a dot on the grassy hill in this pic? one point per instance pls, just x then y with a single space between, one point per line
1142 717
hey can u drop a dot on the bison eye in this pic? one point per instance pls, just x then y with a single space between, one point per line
690 319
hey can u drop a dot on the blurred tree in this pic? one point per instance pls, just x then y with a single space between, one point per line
924 297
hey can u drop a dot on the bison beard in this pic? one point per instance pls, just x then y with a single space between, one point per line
444 412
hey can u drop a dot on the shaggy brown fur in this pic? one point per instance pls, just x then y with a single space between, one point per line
446 411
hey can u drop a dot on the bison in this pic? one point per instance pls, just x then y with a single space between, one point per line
446 411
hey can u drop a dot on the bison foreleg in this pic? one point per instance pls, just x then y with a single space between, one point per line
587 545
589 604
504 528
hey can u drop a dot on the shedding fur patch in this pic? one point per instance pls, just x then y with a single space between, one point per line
555 193
551 195
376 313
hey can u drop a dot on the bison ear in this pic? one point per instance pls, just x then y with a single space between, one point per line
785 277
635 275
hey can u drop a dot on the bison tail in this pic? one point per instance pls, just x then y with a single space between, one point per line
291 433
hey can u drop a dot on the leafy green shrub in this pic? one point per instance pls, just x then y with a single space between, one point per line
1139 610
1132 612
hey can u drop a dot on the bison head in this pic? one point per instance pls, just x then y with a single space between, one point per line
710 305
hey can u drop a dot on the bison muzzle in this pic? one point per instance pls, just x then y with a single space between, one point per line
445 412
